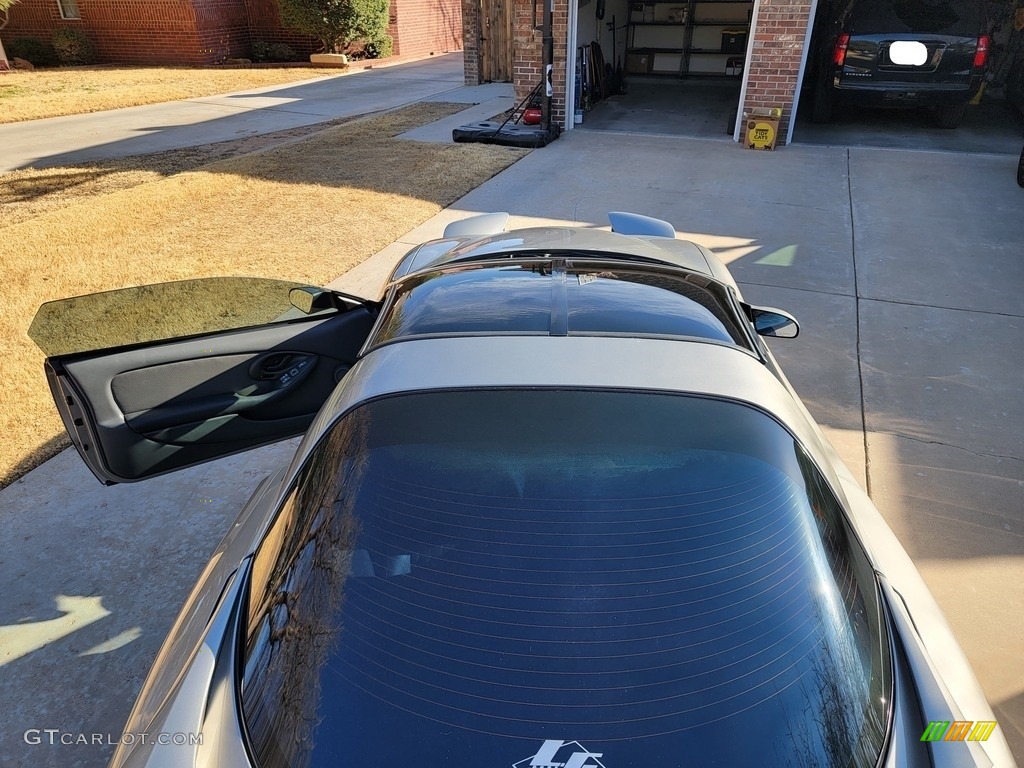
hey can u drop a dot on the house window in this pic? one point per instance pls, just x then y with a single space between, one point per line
68 9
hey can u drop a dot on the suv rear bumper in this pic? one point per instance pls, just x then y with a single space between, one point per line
907 94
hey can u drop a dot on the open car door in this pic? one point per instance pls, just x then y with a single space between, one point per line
153 379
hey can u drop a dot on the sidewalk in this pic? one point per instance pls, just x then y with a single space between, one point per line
176 124
907 316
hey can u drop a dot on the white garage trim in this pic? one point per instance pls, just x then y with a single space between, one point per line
570 64
737 129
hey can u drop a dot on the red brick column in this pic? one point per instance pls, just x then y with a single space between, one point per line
774 66
526 66
471 41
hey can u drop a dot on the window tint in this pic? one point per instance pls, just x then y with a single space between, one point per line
148 313
559 299
496 577
947 17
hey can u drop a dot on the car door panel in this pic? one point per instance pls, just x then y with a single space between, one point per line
139 412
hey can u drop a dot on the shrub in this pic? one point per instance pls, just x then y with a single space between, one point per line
371 24
36 51
260 51
282 52
74 46
336 23
263 52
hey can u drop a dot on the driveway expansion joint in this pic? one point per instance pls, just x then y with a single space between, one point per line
979 454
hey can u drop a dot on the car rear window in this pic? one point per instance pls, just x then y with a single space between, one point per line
935 17
555 298
544 577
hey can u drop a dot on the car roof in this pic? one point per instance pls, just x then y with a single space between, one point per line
589 293
579 241
568 362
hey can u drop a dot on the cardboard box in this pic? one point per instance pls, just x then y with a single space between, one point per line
639 63
761 128
734 40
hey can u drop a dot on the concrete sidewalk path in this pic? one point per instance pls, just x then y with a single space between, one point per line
172 125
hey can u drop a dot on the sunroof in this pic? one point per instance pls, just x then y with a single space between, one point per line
545 298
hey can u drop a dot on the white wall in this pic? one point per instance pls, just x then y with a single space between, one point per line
589 29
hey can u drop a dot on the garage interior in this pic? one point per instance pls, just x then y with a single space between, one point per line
994 124
675 65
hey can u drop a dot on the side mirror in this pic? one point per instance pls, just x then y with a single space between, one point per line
309 299
769 321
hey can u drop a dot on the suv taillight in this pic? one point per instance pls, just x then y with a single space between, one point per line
839 54
981 52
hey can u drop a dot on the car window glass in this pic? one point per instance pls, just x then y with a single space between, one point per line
162 311
915 16
537 298
527 577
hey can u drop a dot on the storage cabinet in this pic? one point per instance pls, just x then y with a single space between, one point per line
693 37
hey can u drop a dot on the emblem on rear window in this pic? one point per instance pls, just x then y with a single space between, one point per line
561 754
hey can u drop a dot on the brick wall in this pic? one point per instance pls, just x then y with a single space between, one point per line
775 56
150 32
223 29
528 56
197 32
264 21
425 27
471 42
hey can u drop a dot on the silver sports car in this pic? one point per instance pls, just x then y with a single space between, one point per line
556 506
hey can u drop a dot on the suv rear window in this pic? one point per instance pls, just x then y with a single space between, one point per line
551 577
930 17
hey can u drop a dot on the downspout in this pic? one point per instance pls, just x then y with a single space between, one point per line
547 62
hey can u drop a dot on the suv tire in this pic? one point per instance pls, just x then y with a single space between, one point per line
950 117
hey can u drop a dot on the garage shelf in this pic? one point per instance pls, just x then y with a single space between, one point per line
654 28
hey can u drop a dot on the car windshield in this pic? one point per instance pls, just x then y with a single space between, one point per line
931 17
545 577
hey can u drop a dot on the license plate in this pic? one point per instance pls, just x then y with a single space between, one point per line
908 53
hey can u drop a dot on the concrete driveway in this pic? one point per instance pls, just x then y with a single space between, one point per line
906 284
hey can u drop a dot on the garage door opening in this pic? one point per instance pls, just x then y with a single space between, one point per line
660 66
943 75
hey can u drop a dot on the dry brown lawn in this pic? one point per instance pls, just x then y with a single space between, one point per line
74 91
307 211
